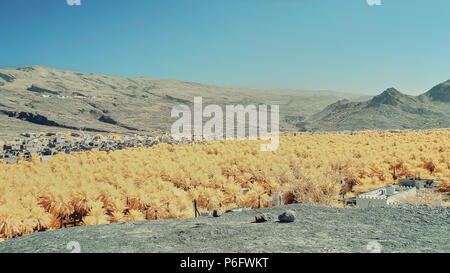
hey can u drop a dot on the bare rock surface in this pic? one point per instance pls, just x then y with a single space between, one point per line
316 229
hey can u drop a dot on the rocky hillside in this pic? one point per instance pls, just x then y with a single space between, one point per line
389 110
35 98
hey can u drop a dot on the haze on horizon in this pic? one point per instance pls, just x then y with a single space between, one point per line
272 44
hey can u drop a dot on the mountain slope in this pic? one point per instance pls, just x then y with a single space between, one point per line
389 110
41 98
439 93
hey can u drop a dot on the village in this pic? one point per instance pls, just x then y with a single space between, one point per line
45 145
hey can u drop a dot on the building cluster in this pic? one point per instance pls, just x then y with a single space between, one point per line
390 194
46 145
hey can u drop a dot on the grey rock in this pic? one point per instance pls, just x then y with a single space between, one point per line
287 217
206 213
217 213
265 217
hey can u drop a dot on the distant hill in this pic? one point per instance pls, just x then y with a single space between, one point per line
389 110
37 98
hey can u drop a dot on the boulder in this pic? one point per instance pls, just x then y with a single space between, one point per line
265 217
206 213
217 213
287 217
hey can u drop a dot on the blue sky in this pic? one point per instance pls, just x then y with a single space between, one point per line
342 45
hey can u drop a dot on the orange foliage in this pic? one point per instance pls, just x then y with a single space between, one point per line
162 181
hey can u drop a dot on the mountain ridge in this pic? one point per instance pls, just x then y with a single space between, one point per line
389 110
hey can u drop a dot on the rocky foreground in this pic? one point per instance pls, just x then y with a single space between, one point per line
315 229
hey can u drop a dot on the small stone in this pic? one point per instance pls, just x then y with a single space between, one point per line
217 213
287 217
206 213
265 217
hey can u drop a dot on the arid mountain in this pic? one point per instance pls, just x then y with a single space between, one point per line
389 110
37 98
439 93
